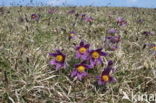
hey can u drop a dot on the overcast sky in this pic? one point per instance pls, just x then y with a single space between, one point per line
122 3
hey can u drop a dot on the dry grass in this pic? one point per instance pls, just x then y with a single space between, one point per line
25 76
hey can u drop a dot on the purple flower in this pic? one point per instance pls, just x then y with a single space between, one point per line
82 50
110 63
95 56
113 39
72 35
59 60
152 45
35 17
105 76
121 21
80 70
152 48
82 16
112 31
88 19
147 33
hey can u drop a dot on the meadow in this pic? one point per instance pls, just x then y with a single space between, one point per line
27 77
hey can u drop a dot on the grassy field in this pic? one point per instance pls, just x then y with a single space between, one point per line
26 77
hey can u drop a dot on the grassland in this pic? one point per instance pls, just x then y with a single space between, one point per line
26 77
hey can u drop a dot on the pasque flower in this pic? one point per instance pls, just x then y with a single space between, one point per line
80 70
59 59
121 21
82 16
35 17
148 33
112 31
82 50
113 39
88 19
153 48
106 75
95 56
72 35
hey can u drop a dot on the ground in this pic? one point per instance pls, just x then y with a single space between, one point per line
27 77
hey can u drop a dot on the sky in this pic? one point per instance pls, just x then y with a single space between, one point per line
116 3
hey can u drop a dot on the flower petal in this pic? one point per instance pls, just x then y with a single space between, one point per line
84 74
84 56
87 46
74 73
99 50
88 66
112 80
107 71
92 62
58 66
81 43
79 76
100 82
52 62
53 54
99 61
103 53
110 63
78 55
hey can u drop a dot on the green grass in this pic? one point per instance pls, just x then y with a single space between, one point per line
26 77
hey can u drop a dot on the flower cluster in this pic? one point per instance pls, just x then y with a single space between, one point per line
88 59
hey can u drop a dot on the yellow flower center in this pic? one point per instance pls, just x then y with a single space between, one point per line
82 50
33 16
105 78
59 58
95 55
81 68
71 34
154 47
